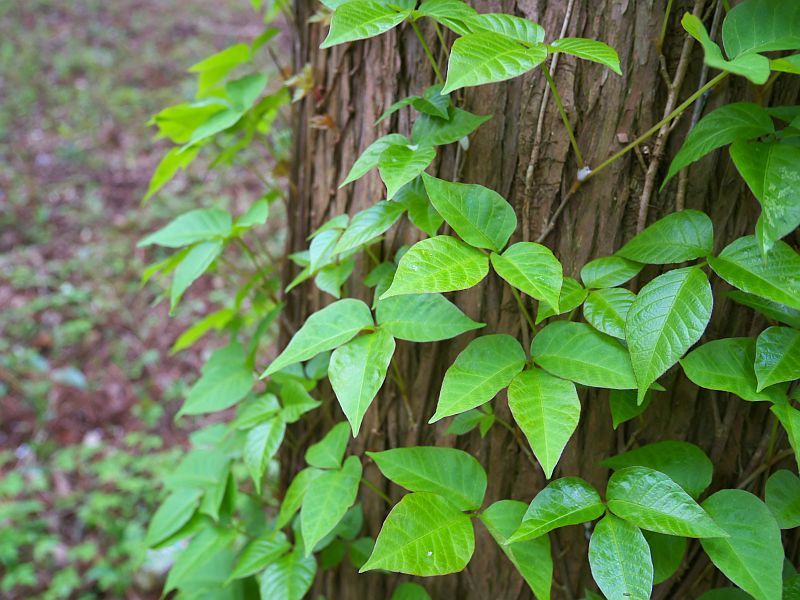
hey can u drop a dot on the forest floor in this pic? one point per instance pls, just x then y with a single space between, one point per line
86 375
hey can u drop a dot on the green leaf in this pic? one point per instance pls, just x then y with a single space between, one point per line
438 264
321 249
326 501
761 26
400 164
480 371
329 451
174 513
773 310
726 593
624 406
678 237
410 591
255 410
422 318
168 167
790 419
434 131
531 268
753 66
770 171
609 271
572 295
296 401
667 552
588 50
782 496
510 26
361 19
668 316
565 501
487 57
289 578
651 500
326 329
432 102
424 534
331 278
295 494
467 421
774 276
260 446
723 126
480 216
752 555
453 14
620 560
577 352
244 92
684 463
453 474
370 158
420 210
357 371
259 553
199 553
777 357
225 380
196 262
256 214
606 310
369 224
547 410
531 558
727 366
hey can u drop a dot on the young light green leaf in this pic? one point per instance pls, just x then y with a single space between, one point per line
532 558
773 310
480 216
435 131
255 410
510 26
547 410
296 400
761 26
420 210
225 380
438 264
453 474
620 560
329 451
361 19
424 534
487 57
593 50
531 268
668 316
667 552
607 309
782 496
684 463
259 553
723 126
651 500
770 171
369 224
572 296
777 356
168 167
752 555
609 271
774 276
289 578
191 267
326 501
422 318
321 248
295 494
565 501
331 278
577 352
678 237
326 329
727 366
480 371
260 446
357 371
371 156
400 164
172 514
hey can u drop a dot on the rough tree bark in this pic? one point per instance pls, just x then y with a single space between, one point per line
354 83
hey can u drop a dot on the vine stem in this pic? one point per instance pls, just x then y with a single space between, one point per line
671 116
564 118
523 309
428 52
515 432
663 33
377 490
441 39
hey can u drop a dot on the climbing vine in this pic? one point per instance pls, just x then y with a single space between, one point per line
593 333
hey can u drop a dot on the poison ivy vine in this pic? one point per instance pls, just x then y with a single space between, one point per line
629 338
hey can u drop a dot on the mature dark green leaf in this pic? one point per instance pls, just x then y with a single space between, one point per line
777 357
510 26
329 451
678 237
547 410
531 268
410 591
609 271
433 102
398 165
371 156
752 555
782 496
773 310
761 26
586 49
566 501
620 560
453 474
480 216
422 318
726 593
624 406
289 578
361 19
435 131
606 310
480 371
424 534
369 224
790 419
667 552
577 352
420 210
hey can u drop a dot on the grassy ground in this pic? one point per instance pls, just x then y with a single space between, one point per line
83 349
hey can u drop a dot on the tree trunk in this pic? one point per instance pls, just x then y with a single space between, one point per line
355 83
